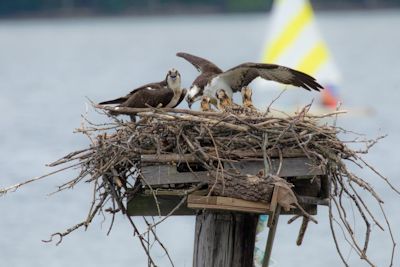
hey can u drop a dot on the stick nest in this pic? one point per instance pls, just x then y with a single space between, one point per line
111 162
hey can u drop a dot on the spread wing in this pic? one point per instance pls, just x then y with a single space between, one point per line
201 64
244 74
149 86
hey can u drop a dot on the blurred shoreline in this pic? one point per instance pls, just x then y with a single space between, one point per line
177 9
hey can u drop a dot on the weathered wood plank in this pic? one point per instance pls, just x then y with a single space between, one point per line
167 158
168 174
273 206
226 203
313 200
240 154
224 239
145 205
290 167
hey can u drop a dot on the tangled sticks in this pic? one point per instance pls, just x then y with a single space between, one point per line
112 162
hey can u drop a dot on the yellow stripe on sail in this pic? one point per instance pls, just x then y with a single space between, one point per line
313 59
289 34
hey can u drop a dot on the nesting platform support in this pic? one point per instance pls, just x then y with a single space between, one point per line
226 222
211 234
224 239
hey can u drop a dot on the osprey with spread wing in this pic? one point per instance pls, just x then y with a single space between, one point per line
233 80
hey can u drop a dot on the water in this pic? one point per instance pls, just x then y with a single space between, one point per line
49 67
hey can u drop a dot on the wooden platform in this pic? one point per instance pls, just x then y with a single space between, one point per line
168 182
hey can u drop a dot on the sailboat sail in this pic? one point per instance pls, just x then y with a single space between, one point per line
294 41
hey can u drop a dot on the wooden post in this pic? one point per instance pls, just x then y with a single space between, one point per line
273 224
224 239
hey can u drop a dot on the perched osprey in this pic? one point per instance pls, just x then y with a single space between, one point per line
167 93
233 80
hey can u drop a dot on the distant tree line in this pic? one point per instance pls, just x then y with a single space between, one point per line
12 8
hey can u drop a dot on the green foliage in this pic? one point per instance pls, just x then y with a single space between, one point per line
111 6
245 5
17 7
10 7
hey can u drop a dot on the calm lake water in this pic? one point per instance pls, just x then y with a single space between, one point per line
49 67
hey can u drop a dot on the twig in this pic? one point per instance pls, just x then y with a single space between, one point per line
159 242
13 188
334 235
184 198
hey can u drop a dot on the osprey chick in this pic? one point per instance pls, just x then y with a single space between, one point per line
247 93
224 101
205 103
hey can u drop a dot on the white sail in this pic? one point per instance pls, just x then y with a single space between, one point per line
294 40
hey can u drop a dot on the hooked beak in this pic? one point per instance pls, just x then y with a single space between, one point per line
189 102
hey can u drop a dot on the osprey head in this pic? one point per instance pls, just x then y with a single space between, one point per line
193 95
174 79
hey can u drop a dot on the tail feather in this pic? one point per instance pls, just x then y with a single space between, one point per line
114 101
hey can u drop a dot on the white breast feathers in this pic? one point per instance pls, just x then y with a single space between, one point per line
216 84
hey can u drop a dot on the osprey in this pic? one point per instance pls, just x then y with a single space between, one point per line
233 80
167 93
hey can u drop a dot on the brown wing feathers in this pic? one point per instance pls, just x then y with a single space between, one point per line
114 101
201 64
281 74
122 99
290 76
149 98
304 80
